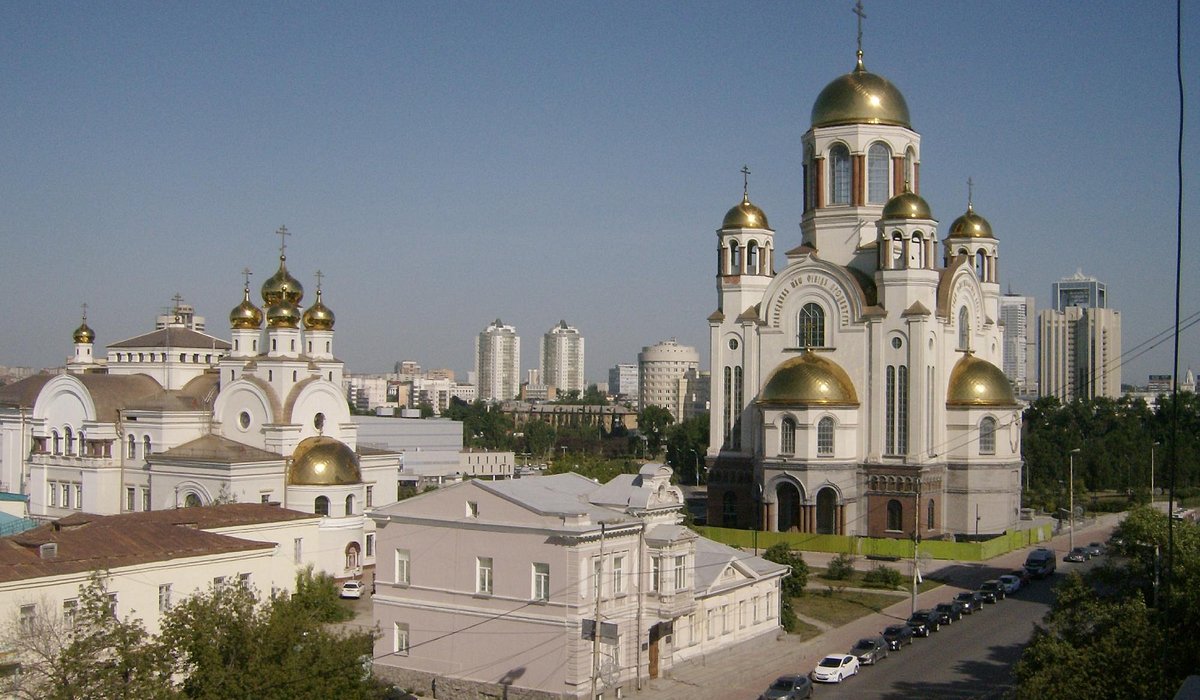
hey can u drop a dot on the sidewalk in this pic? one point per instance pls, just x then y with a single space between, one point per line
745 671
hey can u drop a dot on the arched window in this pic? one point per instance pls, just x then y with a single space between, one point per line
929 515
191 501
964 329
825 437
895 515
69 437
321 505
752 255
787 436
57 442
132 447
987 436
839 171
981 266
146 447
897 250
910 173
879 159
350 504
352 556
735 258
812 326
916 252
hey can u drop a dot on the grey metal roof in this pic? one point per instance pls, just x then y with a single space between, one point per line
174 337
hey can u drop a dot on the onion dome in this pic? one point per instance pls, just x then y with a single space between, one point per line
809 380
907 205
970 225
246 314
84 333
977 382
745 215
283 315
318 317
860 97
281 286
323 461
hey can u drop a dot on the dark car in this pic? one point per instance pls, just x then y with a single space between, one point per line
923 623
1094 549
1079 554
949 611
995 586
971 601
870 650
897 636
789 688
988 596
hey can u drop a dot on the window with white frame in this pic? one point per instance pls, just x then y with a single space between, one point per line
811 326
402 566
839 171
597 572
987 436
541 581
400 638
78 496
483 575
52 491
879 160
164 597
680 572
742 617
693 633
370 540
655 575
825 437
787 436
130 499
298 549
618 574
711 620
146 499
70 609
26 620
370 496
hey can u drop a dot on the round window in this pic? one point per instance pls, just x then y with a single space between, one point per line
897 343
733 344
244 420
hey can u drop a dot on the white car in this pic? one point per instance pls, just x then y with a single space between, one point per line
352 589
1011 584
835 667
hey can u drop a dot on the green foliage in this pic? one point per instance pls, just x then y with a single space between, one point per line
884 577
840 568
316 595
539 437
426 409
652 423
484 424
687 443
594 467
794 583
787 616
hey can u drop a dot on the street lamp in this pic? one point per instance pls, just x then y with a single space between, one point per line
1152 446
1071 502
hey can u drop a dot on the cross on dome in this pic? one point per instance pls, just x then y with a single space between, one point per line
246 276
970 194
283 233
745 181
319 275
858 10
84 307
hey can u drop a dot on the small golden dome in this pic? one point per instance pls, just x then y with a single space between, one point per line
907 205
246 314
318 317
809 380
745 215
977 382
281 286
970 225
860 97
283 315
323 461
84 333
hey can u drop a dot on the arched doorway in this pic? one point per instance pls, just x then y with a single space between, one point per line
827 512
352 551
191 500
788 498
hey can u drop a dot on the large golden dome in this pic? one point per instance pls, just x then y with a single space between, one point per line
283 315
970 225
323 461
809 380
745 215
860 97
907 205
977 382
318 317
246 314
281 286
84 333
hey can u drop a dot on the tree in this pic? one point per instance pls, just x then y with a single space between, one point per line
652 423
539 437
792 585
426 409
687 443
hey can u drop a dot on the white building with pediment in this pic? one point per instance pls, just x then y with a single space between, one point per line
856 382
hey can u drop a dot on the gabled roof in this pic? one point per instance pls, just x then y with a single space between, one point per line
214 448
174 337
713 558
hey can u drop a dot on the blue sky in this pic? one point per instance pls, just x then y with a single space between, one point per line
446 164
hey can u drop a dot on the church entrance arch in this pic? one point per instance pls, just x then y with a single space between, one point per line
827 511
787 495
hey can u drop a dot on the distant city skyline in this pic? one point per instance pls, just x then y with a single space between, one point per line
446 165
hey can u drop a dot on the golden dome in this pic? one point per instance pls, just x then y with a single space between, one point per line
976 382
283 315
907 205
246 314
745 215
809 380
970 225
318 317
860 97
282 286
323 461
84 333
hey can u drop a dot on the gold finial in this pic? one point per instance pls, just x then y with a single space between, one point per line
858 10
970 194
745 182
283 233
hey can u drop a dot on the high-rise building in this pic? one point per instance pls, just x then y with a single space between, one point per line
1020 346
1079 353
661 369
561 358
181 314
498 362
1078 290
623 382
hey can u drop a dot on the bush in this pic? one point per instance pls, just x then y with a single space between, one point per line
883 576
793 584
841 568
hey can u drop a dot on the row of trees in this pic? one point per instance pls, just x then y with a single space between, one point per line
221 643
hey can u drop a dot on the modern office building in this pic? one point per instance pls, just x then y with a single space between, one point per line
1079 290
623 383
498 362
561 358
661 369
1079 353
1017 318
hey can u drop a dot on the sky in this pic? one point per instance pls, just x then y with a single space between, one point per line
445 164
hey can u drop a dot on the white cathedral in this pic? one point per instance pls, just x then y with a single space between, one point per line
176 418
856 390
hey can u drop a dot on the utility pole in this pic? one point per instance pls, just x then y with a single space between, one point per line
597 579
1152 446
1071 502
916 545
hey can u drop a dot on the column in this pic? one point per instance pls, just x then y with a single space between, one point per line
819 163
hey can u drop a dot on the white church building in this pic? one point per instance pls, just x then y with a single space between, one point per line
856 387
176 418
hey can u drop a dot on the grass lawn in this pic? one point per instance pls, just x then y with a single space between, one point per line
837 609
816 575
804 631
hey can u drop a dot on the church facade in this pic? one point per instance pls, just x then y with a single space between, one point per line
856 387
177 418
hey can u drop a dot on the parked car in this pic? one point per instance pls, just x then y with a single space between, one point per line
923 623
994 585
897 636
789 688
942 617
352 589
1094 549
835 667
870 650
1040 563
1076 555
1023 576
971 601
1011 584
988 596
952 610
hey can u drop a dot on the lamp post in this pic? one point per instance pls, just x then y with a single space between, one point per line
1071 502
1152 446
